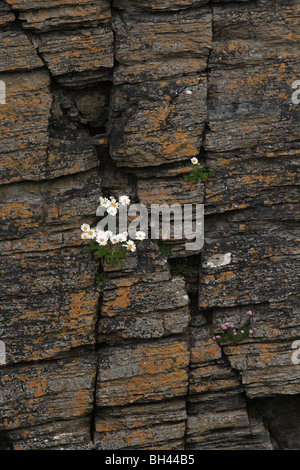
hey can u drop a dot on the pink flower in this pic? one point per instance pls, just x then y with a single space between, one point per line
218 336
249 312
242 331
250 331
224 327
214 337
231 325
235 333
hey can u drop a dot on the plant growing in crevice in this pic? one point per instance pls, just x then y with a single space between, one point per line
232 334
104 244
199 173
180 268
101 279
165 249
112 255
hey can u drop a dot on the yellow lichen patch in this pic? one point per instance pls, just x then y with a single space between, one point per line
36 385
207 351
168 357
121 300
150 387
157 116
79 402
224 276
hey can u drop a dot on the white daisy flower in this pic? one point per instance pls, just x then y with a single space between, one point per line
85 236
85 227
140 235
130 245
112 211
121 237
114 239
108 233
102 238
194 160
114 203
91 233
105 202
124 200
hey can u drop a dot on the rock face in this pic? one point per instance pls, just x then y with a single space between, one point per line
115 97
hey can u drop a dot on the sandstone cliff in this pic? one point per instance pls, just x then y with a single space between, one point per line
115 97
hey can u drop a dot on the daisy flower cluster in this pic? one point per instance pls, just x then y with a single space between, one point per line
104 238
107 238
231 333
111 205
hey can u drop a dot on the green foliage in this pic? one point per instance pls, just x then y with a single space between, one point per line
228 335
101 279
112 254
199 174
180 268
165 249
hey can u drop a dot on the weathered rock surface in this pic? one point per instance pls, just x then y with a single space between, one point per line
39 393
42 16
115 97
143 427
